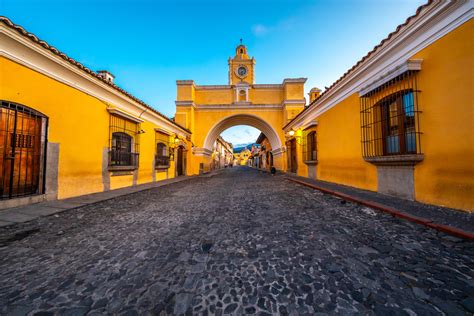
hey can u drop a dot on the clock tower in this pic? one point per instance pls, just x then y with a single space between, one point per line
241 67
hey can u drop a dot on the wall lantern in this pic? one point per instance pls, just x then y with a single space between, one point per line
176 140
291 133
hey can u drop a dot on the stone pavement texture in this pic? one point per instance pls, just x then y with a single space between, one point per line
30 212
239 242
455 218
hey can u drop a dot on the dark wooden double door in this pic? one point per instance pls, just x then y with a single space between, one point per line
180 161
21 150
292 161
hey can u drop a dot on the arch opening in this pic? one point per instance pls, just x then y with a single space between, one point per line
243 119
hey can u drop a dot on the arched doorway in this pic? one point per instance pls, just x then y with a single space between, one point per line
180 161
274 138
22 150
243 119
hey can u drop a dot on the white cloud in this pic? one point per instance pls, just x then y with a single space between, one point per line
260 30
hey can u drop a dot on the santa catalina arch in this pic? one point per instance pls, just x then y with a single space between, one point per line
208 110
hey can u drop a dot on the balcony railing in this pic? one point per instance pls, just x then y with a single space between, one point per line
162 162
119 159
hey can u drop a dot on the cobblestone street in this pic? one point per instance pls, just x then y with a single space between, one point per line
238 242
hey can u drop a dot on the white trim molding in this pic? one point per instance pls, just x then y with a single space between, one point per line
238 106
294 80
268 86
185 82
278 151
213 87
161 130
185 103
125 115
410 65
309 125
198 151
293 102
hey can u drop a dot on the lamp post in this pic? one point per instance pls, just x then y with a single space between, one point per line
292 134
173 146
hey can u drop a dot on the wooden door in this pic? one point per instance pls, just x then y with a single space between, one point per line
180 161
20 151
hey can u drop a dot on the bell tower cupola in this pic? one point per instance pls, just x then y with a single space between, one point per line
241 67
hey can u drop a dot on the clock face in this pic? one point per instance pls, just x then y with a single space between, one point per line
242 71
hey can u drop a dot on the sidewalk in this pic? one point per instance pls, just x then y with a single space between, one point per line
29 212
451 221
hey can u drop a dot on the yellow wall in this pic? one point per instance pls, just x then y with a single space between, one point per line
293 91
446 175
215 96
339 150
80 124
185 92
266 96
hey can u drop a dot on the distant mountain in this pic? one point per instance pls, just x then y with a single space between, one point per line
243 145
238 148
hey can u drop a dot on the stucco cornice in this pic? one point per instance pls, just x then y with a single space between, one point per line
238 106
294 80
410 65
294 102
185 103
125 115
213 87
267 86
185 82
198 151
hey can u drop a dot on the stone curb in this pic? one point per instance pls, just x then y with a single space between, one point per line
392 211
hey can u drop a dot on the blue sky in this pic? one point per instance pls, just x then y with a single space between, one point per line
148 45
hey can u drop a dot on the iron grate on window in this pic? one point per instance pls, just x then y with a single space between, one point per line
124 142
389 117
309 146
162 156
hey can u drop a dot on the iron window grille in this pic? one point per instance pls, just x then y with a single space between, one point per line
309 146
124 142
163 150
389 118
23 144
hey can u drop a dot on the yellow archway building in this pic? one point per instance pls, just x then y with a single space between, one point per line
208 110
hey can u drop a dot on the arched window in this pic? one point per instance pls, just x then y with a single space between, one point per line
241 50
161 150
242 95
124 143
162 159
121 153
162 155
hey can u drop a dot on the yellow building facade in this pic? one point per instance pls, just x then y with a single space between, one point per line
208 110
68 131
400 121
